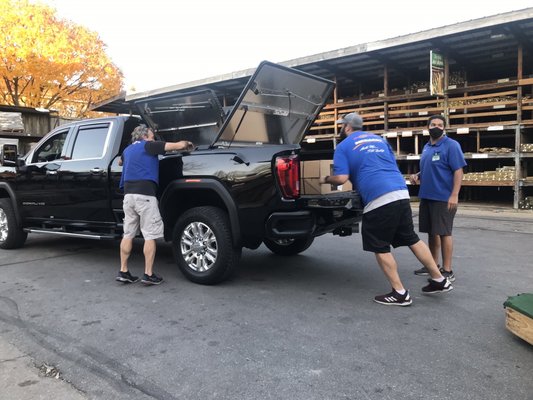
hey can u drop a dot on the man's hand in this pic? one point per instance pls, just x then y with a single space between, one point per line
186 145
453 202
334 179
414 179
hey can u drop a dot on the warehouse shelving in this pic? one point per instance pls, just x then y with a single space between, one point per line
491 120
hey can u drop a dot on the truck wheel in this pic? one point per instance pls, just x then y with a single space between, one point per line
203 245
288 247
11 235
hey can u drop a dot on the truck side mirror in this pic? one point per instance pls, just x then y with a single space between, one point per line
8 155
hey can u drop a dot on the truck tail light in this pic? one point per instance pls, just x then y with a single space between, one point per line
288 174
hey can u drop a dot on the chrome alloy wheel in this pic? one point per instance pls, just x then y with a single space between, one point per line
199 246
3 226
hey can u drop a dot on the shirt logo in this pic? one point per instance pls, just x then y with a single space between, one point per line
361 142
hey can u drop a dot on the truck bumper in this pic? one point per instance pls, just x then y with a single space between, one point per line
290 224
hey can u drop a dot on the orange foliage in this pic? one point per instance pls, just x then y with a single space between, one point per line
52 63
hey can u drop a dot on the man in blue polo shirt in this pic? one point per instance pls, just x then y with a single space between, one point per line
368 162
440 177
140 178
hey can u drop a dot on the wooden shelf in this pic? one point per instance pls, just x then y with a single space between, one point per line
484 156
525 183
477 183
487 183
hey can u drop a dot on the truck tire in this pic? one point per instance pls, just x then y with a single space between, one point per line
288 247
203 245
11 234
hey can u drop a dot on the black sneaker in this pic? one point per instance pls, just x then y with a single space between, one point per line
437 287
126 277
448 274
151 280
394 299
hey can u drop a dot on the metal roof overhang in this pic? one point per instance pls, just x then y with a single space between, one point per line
487 45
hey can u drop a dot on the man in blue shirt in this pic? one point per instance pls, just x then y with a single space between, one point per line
368 162
140 177
440 177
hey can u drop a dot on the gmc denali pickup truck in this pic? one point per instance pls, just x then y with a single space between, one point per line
239 187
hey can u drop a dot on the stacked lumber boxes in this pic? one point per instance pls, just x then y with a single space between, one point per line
519 316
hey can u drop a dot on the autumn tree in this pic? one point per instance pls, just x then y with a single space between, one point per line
49 62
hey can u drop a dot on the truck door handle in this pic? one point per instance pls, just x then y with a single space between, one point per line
51 172
96 171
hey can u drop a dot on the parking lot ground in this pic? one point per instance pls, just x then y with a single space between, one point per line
301 327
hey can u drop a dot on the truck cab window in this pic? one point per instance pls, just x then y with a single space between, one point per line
51 149
90 142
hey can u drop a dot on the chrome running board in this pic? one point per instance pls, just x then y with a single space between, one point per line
71 234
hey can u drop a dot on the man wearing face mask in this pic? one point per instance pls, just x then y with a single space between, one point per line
368 161
440 177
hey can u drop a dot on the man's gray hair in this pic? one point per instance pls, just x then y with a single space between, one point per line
139 133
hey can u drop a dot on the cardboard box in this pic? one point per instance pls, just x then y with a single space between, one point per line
312 171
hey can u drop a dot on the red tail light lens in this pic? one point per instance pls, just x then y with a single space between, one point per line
288 174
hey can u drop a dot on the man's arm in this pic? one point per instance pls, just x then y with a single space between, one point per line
156 147
335 179
181 145
457 181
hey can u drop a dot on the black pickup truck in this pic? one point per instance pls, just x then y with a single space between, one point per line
239 187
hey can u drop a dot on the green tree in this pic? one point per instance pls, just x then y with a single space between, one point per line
50 62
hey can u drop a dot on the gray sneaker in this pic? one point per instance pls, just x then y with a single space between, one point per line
423 271
151 280
126 277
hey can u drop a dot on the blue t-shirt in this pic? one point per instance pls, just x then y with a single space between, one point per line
369 161
141 165
438 162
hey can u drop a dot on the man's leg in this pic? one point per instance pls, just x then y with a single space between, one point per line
447 250
434 244
389 267
149 256
422 252
125 250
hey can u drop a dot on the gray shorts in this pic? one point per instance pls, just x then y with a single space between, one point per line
435 218
142 212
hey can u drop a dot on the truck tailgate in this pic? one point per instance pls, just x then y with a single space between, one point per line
350 200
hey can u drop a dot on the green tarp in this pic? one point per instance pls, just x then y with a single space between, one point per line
523 303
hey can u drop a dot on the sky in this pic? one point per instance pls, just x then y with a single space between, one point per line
160 43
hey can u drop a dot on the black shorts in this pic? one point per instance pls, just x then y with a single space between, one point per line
391 224
435 218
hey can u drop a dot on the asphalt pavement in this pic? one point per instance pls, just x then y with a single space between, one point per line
487 363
